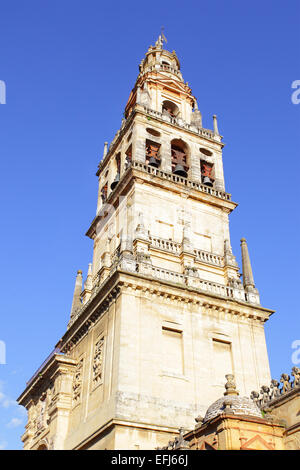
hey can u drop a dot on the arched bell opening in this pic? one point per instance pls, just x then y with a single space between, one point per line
207 167
152 153
128 158
118 171
180 157
170 108
104 193
207 173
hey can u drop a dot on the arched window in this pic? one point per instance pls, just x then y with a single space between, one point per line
170 108
152 153
206 167
128 158
207 176
118 171
104 193
180 157
118 162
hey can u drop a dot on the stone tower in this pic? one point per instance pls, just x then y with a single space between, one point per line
163 314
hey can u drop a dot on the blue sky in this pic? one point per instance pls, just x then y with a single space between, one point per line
69 67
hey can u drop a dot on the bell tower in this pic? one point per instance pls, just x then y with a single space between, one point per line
163 314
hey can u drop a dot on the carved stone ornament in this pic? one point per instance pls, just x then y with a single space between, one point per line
77 382
98 361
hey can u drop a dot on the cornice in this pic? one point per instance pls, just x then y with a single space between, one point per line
121 422
121 281
58 362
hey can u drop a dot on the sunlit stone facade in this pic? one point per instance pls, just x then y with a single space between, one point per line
162 315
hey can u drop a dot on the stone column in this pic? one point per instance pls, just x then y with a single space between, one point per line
165 153
138 144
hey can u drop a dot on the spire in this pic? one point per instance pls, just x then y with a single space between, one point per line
196 117
89 279
248 280
76 304
105 149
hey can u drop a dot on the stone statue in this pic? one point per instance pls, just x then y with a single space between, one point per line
296 375
286 385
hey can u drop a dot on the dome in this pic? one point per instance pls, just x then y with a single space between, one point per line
232 403
236 405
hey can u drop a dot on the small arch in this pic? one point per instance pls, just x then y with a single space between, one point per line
153 132
170 108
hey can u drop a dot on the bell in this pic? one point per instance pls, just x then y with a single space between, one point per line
207 181
115 182
153 162
180 171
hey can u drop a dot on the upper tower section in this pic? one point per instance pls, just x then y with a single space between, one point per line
160 85
162 207
162 128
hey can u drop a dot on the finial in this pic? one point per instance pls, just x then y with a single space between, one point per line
216 130
230 385
105 149
248 280
227 246
186 240
162 34
140 230
89 279
138 94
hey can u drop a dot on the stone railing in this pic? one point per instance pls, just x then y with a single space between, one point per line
142 265
180 123
176 248
185 279
163 68
168 68
213 287
164 244
275 390
180 179
210 258
163 274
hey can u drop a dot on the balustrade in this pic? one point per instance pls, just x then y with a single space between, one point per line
180 179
